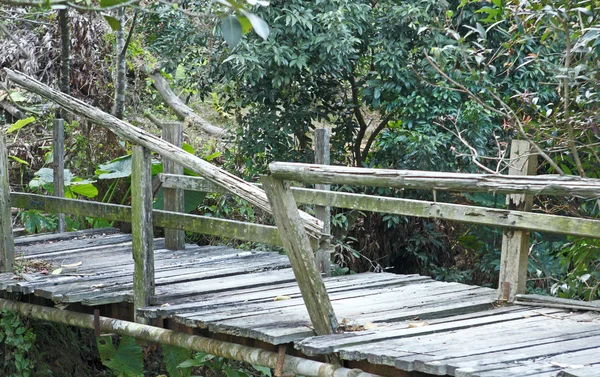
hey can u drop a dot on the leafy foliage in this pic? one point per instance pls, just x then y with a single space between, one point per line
125 361
16 342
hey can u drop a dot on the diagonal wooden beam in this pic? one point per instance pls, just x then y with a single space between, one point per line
220 177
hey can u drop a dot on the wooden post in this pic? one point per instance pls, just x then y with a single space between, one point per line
7 245
173 198
323 213
515 243
142 232
58 134
299 250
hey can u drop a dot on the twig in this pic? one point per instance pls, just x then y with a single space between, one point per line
14 39
509 113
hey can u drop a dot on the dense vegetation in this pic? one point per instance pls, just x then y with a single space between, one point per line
427 85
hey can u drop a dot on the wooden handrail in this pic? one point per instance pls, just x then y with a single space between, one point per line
553 185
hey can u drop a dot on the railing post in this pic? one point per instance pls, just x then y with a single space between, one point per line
323 213
58 134
173 198
7 245
299 250
515 243
142 231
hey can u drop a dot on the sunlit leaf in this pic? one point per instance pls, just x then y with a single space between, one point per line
19 124
114 24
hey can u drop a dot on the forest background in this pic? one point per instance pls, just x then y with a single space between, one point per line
416 84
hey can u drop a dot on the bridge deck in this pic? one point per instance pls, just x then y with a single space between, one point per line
408 322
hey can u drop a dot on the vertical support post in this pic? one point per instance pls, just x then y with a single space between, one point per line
7 245
174 200
58 134
515 243
323 213
142 231
299 250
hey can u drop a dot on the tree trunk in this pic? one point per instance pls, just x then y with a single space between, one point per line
120 66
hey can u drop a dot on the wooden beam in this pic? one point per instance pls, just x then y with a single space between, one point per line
199 224
142 230
323 213
220 177
173 198
7 245
554 185
515 242
298 247
419 208
58 154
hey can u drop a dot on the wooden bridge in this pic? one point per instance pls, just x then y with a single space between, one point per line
380 323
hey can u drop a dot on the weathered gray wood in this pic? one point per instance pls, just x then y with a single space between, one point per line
141 226
54 237
540 300
7 251
323 213
58 135
173 198
582 372
515 242
296 242
455 212
199 224
429 180
125 130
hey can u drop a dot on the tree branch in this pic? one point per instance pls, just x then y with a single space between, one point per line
383 124
359 118
507 113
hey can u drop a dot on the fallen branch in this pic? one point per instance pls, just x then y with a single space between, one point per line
181 109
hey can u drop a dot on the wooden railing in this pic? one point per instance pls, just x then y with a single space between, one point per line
297 231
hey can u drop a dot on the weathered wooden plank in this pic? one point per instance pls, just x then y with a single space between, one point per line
58 155
430 180
323 213
531 367
7 251
402 352
141 228
527 298
54 237
456 212
55 249
199 224
173 198
515 243
299 249
593 371
218 176
269 293
333 343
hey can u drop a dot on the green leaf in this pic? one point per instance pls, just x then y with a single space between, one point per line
110 3
266 371
232 30
125 361
22 162
19 124
180 72
246 25
192 199
212 156
260 26
114 24
85 189
118 168
173 357
188 148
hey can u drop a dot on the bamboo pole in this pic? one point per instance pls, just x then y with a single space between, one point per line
255 356
220 177
554 185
